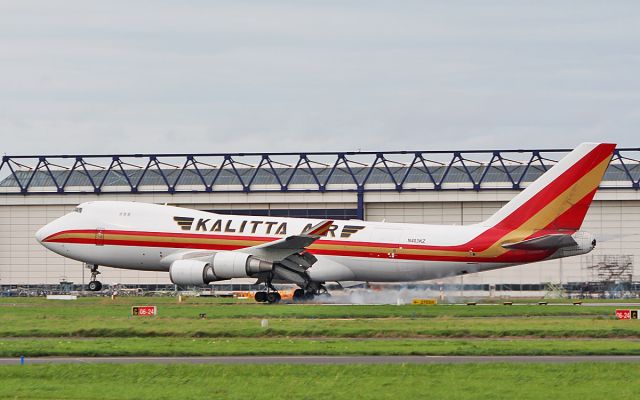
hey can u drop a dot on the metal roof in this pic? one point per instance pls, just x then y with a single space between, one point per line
247 172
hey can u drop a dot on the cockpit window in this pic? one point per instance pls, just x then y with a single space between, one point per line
77 209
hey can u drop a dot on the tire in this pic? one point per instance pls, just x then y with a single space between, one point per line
298 295
308 296
95 286
273 297
261 297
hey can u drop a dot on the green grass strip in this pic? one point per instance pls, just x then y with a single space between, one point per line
300 346
98 326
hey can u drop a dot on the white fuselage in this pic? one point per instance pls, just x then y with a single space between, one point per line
150 237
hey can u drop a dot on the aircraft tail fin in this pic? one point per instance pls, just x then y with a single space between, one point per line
560 198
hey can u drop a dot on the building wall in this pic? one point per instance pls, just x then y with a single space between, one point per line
614 218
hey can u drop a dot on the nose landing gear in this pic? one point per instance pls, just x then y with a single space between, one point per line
95 285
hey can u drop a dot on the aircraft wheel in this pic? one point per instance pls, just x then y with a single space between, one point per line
273 297
298 295
261 297
309 296
95 286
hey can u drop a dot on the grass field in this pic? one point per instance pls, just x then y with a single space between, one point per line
101 326
462 381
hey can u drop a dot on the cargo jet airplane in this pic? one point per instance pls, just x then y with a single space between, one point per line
541 223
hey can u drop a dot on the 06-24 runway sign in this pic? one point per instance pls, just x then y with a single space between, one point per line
144 311
627 314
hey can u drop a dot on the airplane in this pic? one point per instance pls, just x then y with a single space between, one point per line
540 223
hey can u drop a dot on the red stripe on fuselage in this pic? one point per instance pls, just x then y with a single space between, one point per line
258 239
508 257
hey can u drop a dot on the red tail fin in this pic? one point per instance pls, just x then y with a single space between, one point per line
560 198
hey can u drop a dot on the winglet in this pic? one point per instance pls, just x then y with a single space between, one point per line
319 229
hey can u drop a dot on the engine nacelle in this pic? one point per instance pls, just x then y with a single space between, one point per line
222 265
189 272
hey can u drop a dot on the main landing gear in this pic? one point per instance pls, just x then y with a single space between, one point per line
95 285
299 296
271 296
310 293
268 297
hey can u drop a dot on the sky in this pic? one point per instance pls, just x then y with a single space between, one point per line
101 77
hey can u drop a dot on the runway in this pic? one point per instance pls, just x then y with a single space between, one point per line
321 360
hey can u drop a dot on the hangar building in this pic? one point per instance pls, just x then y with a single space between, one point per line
436 187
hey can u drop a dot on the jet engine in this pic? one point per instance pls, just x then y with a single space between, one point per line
222 265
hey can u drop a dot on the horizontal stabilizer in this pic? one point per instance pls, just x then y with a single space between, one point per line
546 242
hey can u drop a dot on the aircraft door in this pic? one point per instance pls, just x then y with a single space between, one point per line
100 237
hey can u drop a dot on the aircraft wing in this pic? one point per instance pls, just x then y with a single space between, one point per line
288 251
546 242
284 248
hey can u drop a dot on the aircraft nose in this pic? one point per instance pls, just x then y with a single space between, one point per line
44 233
